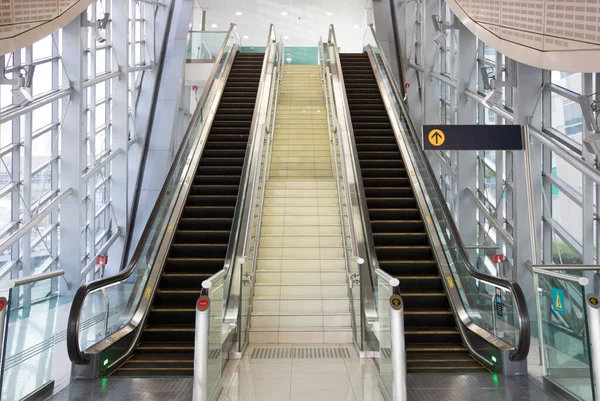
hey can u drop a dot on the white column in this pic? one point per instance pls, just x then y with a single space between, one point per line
120 132
72 157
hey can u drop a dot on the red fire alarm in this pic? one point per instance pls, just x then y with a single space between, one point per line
498 258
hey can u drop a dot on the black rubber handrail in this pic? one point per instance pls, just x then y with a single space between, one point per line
521 350
75 354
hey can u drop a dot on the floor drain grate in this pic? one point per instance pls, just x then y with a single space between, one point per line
300 353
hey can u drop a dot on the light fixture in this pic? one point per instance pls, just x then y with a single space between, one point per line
238 13
284 13
355 26
286 37
245 37
213 26
329 14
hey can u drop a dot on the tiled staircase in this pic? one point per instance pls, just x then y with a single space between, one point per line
300 294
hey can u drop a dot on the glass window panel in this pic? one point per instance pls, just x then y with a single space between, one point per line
568 214
566 117
42 79
41 150
100 61
563 254
41 117
100 142
41 184
5 170
568 80
567 172
42 49
489 53
5 207
5 134
100 116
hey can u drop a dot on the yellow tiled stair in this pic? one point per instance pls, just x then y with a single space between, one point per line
301 291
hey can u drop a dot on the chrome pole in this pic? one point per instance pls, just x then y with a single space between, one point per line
398 348
200 389
593 319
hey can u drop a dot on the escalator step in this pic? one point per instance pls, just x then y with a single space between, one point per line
209 200
191 265
216 179
202 236
195 250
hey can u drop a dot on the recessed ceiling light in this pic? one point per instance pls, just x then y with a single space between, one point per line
329 14
286 37
283 13
238 13
355 26
245 37
213 26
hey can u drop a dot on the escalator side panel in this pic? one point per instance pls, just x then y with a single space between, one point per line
166 346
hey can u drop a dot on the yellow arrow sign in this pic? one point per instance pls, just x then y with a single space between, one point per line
436 137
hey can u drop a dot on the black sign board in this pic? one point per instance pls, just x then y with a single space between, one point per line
472 137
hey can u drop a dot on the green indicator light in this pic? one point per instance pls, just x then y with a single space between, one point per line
104 384
106 362
495 377
494 359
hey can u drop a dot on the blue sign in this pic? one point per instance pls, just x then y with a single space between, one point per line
558 300
472 137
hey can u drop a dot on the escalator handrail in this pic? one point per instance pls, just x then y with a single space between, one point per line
254 141
75 354
521 350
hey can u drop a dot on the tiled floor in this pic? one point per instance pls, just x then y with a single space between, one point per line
303 379
301 251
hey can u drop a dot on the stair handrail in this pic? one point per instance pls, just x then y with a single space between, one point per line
370 307
76 355
521 350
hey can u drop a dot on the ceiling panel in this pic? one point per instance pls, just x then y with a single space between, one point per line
297 22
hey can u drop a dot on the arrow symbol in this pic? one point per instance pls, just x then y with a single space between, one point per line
437 137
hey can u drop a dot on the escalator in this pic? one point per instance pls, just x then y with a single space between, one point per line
200 242
403 249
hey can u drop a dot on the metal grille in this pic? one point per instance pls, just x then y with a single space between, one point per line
300 353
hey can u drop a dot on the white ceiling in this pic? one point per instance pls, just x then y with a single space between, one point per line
305 22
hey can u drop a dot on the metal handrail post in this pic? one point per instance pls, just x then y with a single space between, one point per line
398 348
200 386
592 308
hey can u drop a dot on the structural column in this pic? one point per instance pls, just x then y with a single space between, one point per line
527 109
120 133
72 157
467 114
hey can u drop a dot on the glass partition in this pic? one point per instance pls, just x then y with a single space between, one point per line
204 45
383 333
34 354
490 306
217 336
119 301
564 339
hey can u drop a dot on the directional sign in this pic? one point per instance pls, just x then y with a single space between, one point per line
472 137
436 137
